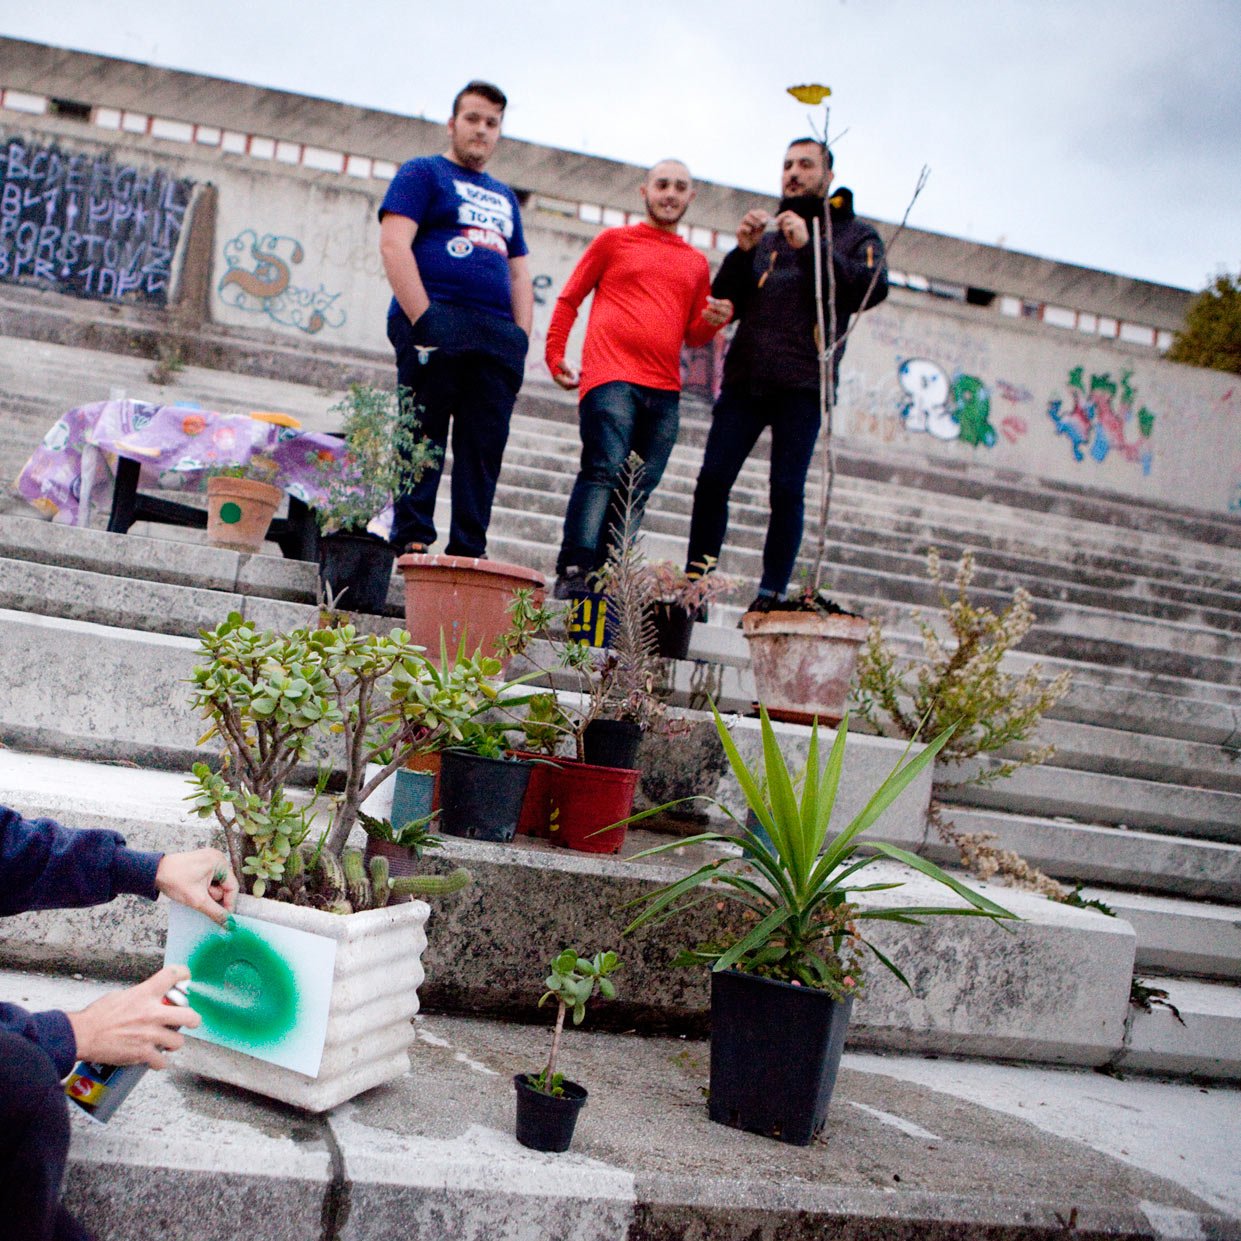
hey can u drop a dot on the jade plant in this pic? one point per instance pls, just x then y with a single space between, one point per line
572 983
272 698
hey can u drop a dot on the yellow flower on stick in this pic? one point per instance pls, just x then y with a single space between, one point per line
812 94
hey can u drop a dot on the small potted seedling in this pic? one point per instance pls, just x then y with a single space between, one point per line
547 1104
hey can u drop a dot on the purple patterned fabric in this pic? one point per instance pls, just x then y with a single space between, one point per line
176 445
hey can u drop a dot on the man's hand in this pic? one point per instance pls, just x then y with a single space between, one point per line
751 228
203 880
794 229
134 1026
717 311
564 375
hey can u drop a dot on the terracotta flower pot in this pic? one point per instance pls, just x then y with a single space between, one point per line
803 663
239 512
462 599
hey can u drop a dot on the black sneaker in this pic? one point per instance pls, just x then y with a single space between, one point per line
763 603
570 584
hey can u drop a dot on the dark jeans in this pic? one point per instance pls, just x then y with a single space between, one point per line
615 419
34 1144
736 423
464 368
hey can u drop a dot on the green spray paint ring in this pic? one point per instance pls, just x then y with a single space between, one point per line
243 989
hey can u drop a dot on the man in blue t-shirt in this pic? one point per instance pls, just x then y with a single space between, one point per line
462 306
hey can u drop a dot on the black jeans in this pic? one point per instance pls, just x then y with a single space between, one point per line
34 1144
615 419
737 420
464 368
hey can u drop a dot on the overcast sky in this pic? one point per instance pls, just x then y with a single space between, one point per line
1101 132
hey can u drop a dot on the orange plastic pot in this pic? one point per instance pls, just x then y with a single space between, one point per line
461 599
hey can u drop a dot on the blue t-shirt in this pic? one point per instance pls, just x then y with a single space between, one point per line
469 226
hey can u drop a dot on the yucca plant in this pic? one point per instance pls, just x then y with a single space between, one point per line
796 886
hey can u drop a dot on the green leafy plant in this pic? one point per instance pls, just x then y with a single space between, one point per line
794 884
383 454
572 983
961 678
269 697
486 740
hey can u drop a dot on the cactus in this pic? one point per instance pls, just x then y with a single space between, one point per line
357 884
381 887
330 879
338 906
431 885
294 869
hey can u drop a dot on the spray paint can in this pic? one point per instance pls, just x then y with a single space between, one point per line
99 1089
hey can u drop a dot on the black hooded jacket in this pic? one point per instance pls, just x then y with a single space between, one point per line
772 290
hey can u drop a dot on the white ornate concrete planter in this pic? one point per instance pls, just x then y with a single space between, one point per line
803 663
374 998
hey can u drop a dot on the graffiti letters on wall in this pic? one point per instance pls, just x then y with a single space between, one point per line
956 408
84 225
259 280
1101 416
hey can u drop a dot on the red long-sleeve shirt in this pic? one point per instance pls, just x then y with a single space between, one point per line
650 291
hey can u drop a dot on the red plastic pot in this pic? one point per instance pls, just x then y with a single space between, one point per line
536 809
585 799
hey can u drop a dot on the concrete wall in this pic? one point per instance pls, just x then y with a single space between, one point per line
294 256
947 382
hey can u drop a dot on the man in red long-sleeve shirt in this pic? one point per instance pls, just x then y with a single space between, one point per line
652 293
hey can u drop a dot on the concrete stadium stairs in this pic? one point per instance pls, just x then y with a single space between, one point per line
1142 804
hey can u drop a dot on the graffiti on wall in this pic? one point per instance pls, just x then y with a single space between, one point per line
84 225
259 280
956 408
1101 416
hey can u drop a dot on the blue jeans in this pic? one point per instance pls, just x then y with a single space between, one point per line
464 368
738 419
615 419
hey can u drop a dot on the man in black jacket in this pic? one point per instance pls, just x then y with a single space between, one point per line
771 372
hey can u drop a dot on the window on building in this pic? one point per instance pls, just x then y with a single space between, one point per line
69 109
1060 316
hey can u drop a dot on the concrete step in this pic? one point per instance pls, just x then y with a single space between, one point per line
1094 797
1118 858
434 1153
1065 972
1179 937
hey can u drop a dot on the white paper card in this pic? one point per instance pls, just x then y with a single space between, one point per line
261 989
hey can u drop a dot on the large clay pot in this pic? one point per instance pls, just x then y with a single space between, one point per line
462 599
803 663
239 512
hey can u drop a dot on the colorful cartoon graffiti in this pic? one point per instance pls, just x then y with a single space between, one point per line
1099 417
259 281
945 409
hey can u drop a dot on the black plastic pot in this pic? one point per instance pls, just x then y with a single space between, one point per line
546 1122
480 798
357 569
611 743
775 1052
673 628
